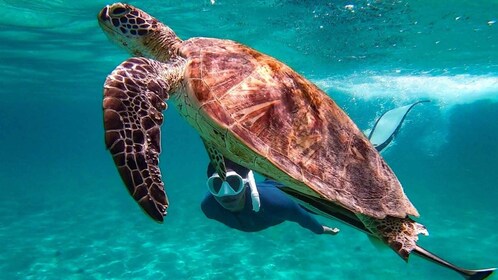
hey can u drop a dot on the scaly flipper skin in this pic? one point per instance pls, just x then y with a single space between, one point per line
217 159
401 234
133 100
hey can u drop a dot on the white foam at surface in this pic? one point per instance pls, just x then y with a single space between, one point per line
445 90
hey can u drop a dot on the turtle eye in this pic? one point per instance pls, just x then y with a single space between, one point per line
118 11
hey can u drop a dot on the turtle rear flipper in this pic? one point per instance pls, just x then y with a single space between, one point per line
401 234
134 95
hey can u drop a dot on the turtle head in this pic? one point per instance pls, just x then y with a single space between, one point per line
138 32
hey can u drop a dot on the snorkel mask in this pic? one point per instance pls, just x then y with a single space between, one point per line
234 185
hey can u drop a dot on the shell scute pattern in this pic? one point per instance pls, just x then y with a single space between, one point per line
201 91
217 62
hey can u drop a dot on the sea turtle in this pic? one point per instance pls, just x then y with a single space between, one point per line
251 109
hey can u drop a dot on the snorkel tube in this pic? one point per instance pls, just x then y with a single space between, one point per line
256 203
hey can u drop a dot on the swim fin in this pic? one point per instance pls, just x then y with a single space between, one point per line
469 274
388 125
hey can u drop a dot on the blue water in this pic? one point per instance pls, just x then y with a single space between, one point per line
65 213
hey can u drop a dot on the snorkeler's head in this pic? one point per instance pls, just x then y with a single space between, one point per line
229 192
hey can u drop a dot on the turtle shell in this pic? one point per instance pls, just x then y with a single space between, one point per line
262 114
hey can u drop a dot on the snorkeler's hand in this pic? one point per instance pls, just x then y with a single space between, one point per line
333 231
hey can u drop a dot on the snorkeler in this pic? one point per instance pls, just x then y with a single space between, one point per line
231 203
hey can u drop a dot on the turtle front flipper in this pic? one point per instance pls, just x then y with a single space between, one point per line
134 95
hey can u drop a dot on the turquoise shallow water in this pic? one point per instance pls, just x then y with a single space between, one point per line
66 215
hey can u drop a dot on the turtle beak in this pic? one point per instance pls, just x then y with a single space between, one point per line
103 14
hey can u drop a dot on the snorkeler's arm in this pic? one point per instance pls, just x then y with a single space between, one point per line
288 209
306 220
